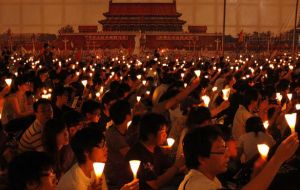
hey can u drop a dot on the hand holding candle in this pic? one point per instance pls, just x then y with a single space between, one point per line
206 100
134 165
226 93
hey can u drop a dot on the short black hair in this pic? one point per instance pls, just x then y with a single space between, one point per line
50 131
150 124
72 118
84 141
197 143
90 106
197 116
28 167
119 110
254 124
41 101
250 95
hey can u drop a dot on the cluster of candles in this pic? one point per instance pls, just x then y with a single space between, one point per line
47 94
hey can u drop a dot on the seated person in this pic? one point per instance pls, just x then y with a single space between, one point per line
31 170
91 112
155 170
88 147
31 138
207 156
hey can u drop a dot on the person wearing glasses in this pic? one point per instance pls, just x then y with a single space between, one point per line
206 156
31 170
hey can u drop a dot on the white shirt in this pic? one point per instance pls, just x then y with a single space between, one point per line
75 179
248 143
195 180
239 122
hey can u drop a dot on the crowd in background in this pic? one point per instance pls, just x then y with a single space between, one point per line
62 113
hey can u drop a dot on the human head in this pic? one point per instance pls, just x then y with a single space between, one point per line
250 98
31 170
43 110
54 136
254 124
61 95
204 148
198 117
74 121
22 83
91 111
108 99
153 129
120 112
88 145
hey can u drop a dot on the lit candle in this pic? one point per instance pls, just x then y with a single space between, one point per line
170 142
290 95
226 93
139 77
206 100
134 164
8 81
214 89
138 98
278 97
128 124
198 72
98 94
144 82
266 124
98 169
84 82
297 106
185 85
263 150
147 92
291 120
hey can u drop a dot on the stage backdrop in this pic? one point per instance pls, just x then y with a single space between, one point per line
28 16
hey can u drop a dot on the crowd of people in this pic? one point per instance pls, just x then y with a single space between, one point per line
60 114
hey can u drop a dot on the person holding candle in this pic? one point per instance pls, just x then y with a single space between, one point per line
255 134
16 102
246 110
207 156
155 171
88 147
31 139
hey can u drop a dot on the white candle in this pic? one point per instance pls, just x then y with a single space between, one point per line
290 95
134 164
263 150
98 169
266 124
214 89
297 106
226 93
84 82
278 97
8 81
139 77
144 82
197 72
170 142
291 120
206 100
138 98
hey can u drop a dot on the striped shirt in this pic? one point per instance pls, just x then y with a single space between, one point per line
32 138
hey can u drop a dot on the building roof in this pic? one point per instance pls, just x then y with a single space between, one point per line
142 9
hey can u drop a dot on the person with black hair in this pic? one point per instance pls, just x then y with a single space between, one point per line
247 110
31 138
16 103
120 113
108 99
255 134
54 137
89 146
206 156
31 170
155 170
60 100
91 110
